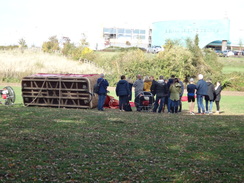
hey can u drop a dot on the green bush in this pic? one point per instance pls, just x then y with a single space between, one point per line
81 52
51 46
233 81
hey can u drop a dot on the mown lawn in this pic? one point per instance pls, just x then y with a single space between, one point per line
73 145
232 64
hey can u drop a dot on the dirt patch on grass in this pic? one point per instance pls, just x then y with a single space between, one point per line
232 93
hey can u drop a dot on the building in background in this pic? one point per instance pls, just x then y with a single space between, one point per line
217 34
127 37
212 33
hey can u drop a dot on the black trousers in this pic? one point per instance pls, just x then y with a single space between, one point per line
217 105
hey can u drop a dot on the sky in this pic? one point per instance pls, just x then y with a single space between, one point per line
37 20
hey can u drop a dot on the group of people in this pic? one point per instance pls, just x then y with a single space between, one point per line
204 90
167 93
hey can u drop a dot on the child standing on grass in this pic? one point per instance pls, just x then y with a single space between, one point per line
218 89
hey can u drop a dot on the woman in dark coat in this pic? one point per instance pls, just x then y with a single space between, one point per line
218 89
123 91
210 97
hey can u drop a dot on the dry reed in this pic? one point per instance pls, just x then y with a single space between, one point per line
15 65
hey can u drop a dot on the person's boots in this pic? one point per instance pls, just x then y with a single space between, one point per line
172 109
180 107
176 109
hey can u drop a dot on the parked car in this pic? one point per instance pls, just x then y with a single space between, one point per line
154 49
228 53
218 52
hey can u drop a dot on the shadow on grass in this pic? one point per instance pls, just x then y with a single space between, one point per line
74 145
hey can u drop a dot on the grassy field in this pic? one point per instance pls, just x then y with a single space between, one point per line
232 64
73 145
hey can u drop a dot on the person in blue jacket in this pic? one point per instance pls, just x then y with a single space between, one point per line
123 91
202 91
102 92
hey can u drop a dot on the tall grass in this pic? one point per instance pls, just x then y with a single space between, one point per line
15 65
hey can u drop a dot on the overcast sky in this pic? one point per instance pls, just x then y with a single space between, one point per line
37 20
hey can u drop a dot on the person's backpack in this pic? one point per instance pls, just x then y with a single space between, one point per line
96 87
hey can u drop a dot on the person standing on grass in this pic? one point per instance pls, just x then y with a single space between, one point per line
130 87
202 90
161 93
218 89
175 89
166 97
191 89
170 81
123 91
152 89
210 97
181 94
138 84
102 92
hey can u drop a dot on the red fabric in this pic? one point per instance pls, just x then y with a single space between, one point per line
4 96
63 75
184 98
132 104
111 102
145 103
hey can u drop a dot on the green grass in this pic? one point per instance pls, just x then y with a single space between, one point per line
229 104
73 145
232 64
70 145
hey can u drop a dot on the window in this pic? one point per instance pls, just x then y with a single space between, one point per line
128 31
109 30
142 37
121 30
120 36
136 31
105 30
142 31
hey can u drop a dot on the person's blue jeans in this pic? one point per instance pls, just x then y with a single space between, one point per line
200 104
101 100
160 105
210 105
169 104
174 106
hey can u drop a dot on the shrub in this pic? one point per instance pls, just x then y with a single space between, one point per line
81 52
51 46
233 81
